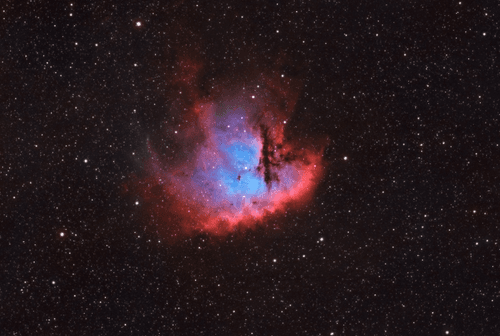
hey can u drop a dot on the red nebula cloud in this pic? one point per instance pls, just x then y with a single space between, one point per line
236 164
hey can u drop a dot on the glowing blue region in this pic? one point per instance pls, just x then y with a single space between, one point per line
239 176
227 171
242 156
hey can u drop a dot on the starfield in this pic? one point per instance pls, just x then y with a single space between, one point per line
249 168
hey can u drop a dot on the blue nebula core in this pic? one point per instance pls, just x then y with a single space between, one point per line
227 163
240 177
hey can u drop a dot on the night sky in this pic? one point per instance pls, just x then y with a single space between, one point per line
399 235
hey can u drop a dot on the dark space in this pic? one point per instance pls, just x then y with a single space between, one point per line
403 234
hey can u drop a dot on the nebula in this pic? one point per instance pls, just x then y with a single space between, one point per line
227 161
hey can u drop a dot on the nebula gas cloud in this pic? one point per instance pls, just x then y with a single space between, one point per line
234 165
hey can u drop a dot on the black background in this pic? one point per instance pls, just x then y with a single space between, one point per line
401 238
